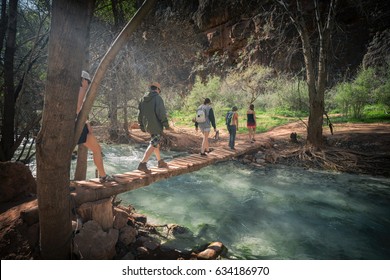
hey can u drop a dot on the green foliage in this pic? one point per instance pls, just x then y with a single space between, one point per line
343 93
382 92
288 95
264 120
351 98
376 113
200 91
247 86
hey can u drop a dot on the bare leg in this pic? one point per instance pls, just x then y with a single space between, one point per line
149 151
251 134
157 152
205 142
94 146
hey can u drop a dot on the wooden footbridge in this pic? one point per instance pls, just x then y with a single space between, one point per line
93 190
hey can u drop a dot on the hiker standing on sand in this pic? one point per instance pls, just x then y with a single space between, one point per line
152 118
204 119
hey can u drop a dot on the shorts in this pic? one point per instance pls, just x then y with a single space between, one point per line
83 136
251 126
155 140
205 129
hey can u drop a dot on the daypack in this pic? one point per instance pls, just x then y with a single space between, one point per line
200 115
229 117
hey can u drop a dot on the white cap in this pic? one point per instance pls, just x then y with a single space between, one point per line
85 75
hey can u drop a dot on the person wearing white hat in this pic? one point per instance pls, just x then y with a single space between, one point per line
87 138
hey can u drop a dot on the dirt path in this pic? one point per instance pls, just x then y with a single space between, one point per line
373 138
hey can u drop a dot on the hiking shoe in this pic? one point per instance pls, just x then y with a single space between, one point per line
203 154
209 150
142 167
162 164
107 178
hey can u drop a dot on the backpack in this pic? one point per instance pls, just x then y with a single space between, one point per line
200 115
229 117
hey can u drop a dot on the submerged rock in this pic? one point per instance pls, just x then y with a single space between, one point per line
212 252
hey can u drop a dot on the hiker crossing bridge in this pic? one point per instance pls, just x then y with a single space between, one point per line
93 190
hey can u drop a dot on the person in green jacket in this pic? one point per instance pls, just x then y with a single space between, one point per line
152 118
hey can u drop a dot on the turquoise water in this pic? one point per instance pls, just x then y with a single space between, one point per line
271 213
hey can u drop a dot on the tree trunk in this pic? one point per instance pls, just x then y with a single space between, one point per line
314 129
8 129
55 140
317 97
324 22
3 23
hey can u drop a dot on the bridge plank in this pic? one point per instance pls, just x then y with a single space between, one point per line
93 190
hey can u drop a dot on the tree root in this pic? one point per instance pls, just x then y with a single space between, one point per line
337 160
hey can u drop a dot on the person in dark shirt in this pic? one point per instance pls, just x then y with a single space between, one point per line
152 118
251 122
232 126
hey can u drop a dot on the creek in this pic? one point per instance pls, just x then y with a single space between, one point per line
274 212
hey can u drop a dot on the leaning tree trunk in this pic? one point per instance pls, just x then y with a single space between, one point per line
55 139
80 172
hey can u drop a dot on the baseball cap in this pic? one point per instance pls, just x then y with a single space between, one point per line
85 75
155 84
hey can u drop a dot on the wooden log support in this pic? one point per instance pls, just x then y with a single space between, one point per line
93 190
99 211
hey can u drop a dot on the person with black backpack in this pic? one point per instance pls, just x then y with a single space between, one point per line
204 119
232 126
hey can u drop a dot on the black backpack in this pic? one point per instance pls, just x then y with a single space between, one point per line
229 117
